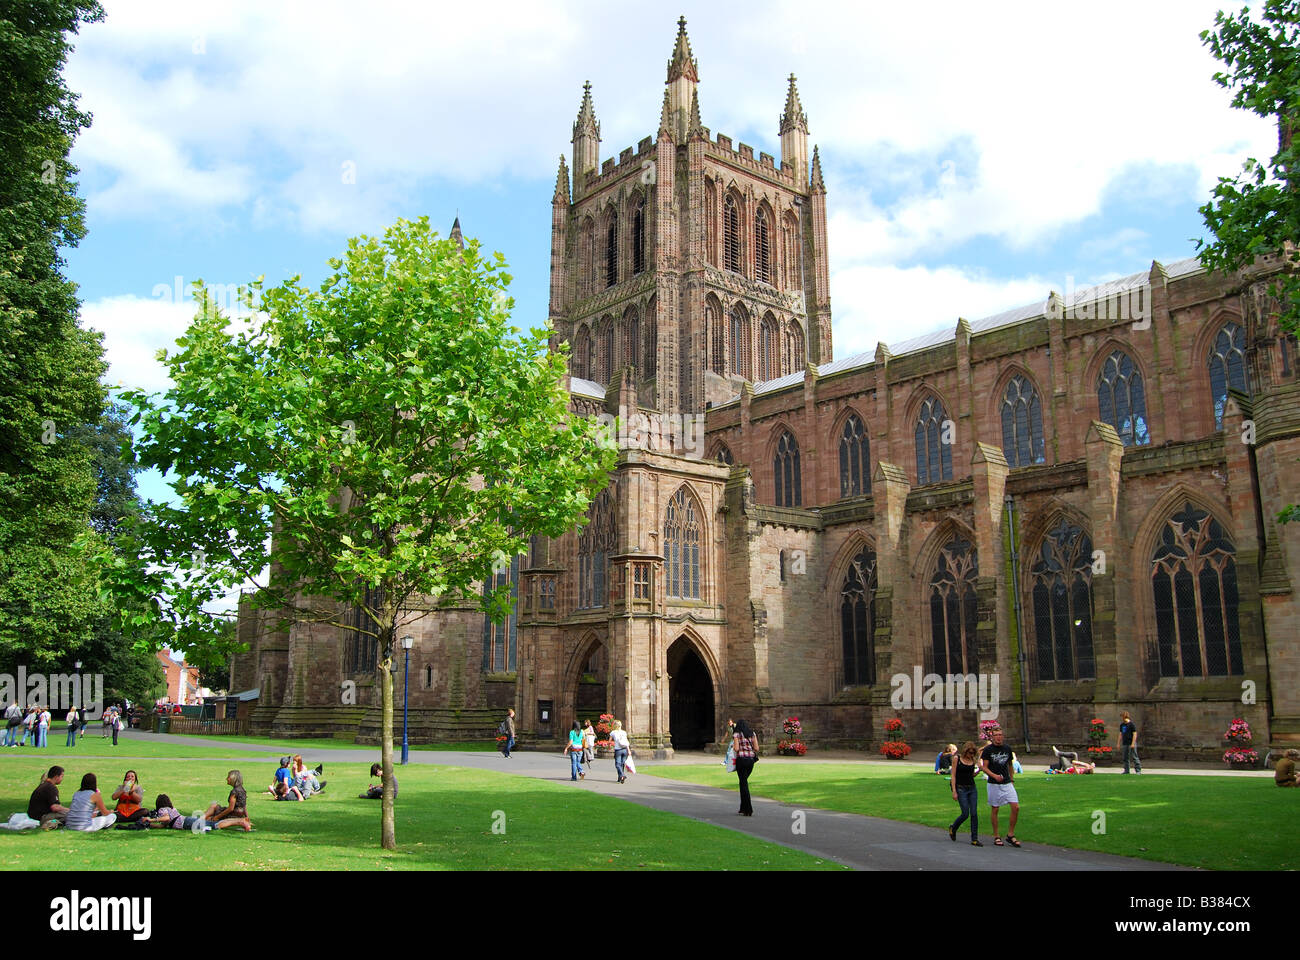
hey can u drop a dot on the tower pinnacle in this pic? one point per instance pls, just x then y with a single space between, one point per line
818 184
586 123
561 183
682 63
794 118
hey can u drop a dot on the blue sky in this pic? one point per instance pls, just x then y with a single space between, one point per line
974 160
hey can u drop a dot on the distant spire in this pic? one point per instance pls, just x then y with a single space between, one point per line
586 123
794 118
818 184
683 64
561 183
666 118
696 128
456 237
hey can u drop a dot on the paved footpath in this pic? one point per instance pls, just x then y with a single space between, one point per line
860 842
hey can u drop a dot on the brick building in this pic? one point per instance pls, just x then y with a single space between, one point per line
1075 497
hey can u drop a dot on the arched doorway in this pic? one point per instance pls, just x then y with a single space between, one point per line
690 698
592 695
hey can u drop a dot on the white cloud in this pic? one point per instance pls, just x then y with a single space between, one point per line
135 329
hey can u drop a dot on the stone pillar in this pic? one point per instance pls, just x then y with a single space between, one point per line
1119 675
889 488
992 646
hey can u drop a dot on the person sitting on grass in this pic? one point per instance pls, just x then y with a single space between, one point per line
1284 774
235 813
44 804
376 792
282 775
943 762
308 781
284 791
129 797
166 815
82 814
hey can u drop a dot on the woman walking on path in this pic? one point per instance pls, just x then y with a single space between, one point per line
574 749
966 794
621 747
43 728
588 745
74 719
746 745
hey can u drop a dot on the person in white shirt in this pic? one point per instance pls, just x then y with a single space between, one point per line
621 748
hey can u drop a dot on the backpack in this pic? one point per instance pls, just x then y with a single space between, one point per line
503 730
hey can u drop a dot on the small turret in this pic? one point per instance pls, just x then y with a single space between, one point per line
818 184
561 196
586 141
794 135
456 236
683 75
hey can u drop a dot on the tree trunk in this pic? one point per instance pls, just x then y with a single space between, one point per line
388 829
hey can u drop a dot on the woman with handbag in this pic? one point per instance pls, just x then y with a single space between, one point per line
746 745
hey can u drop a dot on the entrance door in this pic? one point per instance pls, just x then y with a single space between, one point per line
690 698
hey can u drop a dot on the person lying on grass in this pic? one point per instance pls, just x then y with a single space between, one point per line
285 792
235 813
376 791
166 815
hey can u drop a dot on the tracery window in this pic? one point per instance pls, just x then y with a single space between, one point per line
500 638
595 543
723 454
739 342
762 248
631 339
1194 578
682 546
731 255
794 347
363 648
1227 368
1061 599
768 349
587 252
858 619
954 609
933 443
605 348
582 354
785 470
855 460
638 235
717 337
1121 399
1022 423
611 249
793 258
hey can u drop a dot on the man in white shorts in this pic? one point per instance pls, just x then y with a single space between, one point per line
995 761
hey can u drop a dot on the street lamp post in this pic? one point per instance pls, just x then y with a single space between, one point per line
81 712
407 642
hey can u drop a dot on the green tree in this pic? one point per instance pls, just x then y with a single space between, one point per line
380 443
1257 213
50 368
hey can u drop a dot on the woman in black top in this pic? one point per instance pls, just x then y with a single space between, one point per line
235 813
965 793
746 745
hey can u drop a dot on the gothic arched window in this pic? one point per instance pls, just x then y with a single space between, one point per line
717 337
638 234
595 543
605 358
587 253
611 249
762 248
785 469
1121 400
1022 423
855 459
739 342
858 619
954 610
1194 578
500 638
1227 368
794 347
731 258
723 454
631 339
582 354
682 546
710 223
769 361
793 254
1061 592
933 443
650 356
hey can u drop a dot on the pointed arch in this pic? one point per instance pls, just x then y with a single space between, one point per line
1225 361
733 248
684 536
611 240
1121 388
717 334
793 251
606 354
1019 411
794 347
738 323
722 453
587 258
849 437
632 338
580 361
932 433
764 240
951 603
783 454
710 222
701 649
769 348
1058 588
589 642
596 542
650 354
854 600
637 218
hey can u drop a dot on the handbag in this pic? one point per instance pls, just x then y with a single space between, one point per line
629 765
730 762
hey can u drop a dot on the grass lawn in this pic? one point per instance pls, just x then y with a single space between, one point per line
1217 823
299 746
445 819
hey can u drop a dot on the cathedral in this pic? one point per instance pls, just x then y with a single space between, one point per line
1069 505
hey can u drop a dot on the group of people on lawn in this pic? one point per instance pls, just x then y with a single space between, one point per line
87 811
293 781
34 722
